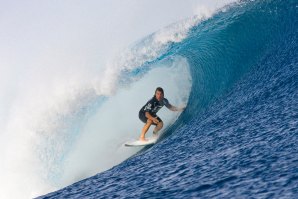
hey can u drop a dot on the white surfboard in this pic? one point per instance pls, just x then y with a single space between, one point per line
149 141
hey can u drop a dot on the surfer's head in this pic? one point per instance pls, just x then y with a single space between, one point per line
159 94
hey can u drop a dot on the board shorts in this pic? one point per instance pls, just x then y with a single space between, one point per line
144 119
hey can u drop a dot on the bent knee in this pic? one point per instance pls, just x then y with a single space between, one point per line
149 121
160 124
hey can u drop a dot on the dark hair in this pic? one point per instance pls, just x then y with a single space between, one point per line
159 89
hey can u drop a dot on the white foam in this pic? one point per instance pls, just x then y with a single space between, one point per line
116 121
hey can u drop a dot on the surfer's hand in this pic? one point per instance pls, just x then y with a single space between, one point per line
181 108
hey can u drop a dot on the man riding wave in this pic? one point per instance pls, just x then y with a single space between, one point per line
147 114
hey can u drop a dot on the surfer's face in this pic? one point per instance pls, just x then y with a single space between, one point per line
159 95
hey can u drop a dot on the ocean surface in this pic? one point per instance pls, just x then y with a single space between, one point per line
238 137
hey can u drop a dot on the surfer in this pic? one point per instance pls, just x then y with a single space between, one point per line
147 114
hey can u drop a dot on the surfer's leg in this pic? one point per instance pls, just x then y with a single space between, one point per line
145 129
158 127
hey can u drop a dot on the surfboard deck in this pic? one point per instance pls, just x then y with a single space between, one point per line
134 143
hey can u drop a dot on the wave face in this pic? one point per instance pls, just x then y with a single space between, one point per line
238 136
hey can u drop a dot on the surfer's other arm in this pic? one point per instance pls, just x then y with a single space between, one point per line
174 108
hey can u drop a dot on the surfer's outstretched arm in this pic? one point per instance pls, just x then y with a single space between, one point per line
174 108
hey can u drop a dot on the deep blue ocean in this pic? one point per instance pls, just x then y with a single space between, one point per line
238 137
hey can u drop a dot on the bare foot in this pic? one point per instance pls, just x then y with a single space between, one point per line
143 139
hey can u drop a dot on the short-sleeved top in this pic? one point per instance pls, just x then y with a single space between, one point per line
153 106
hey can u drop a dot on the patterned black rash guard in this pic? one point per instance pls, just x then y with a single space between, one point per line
153 106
